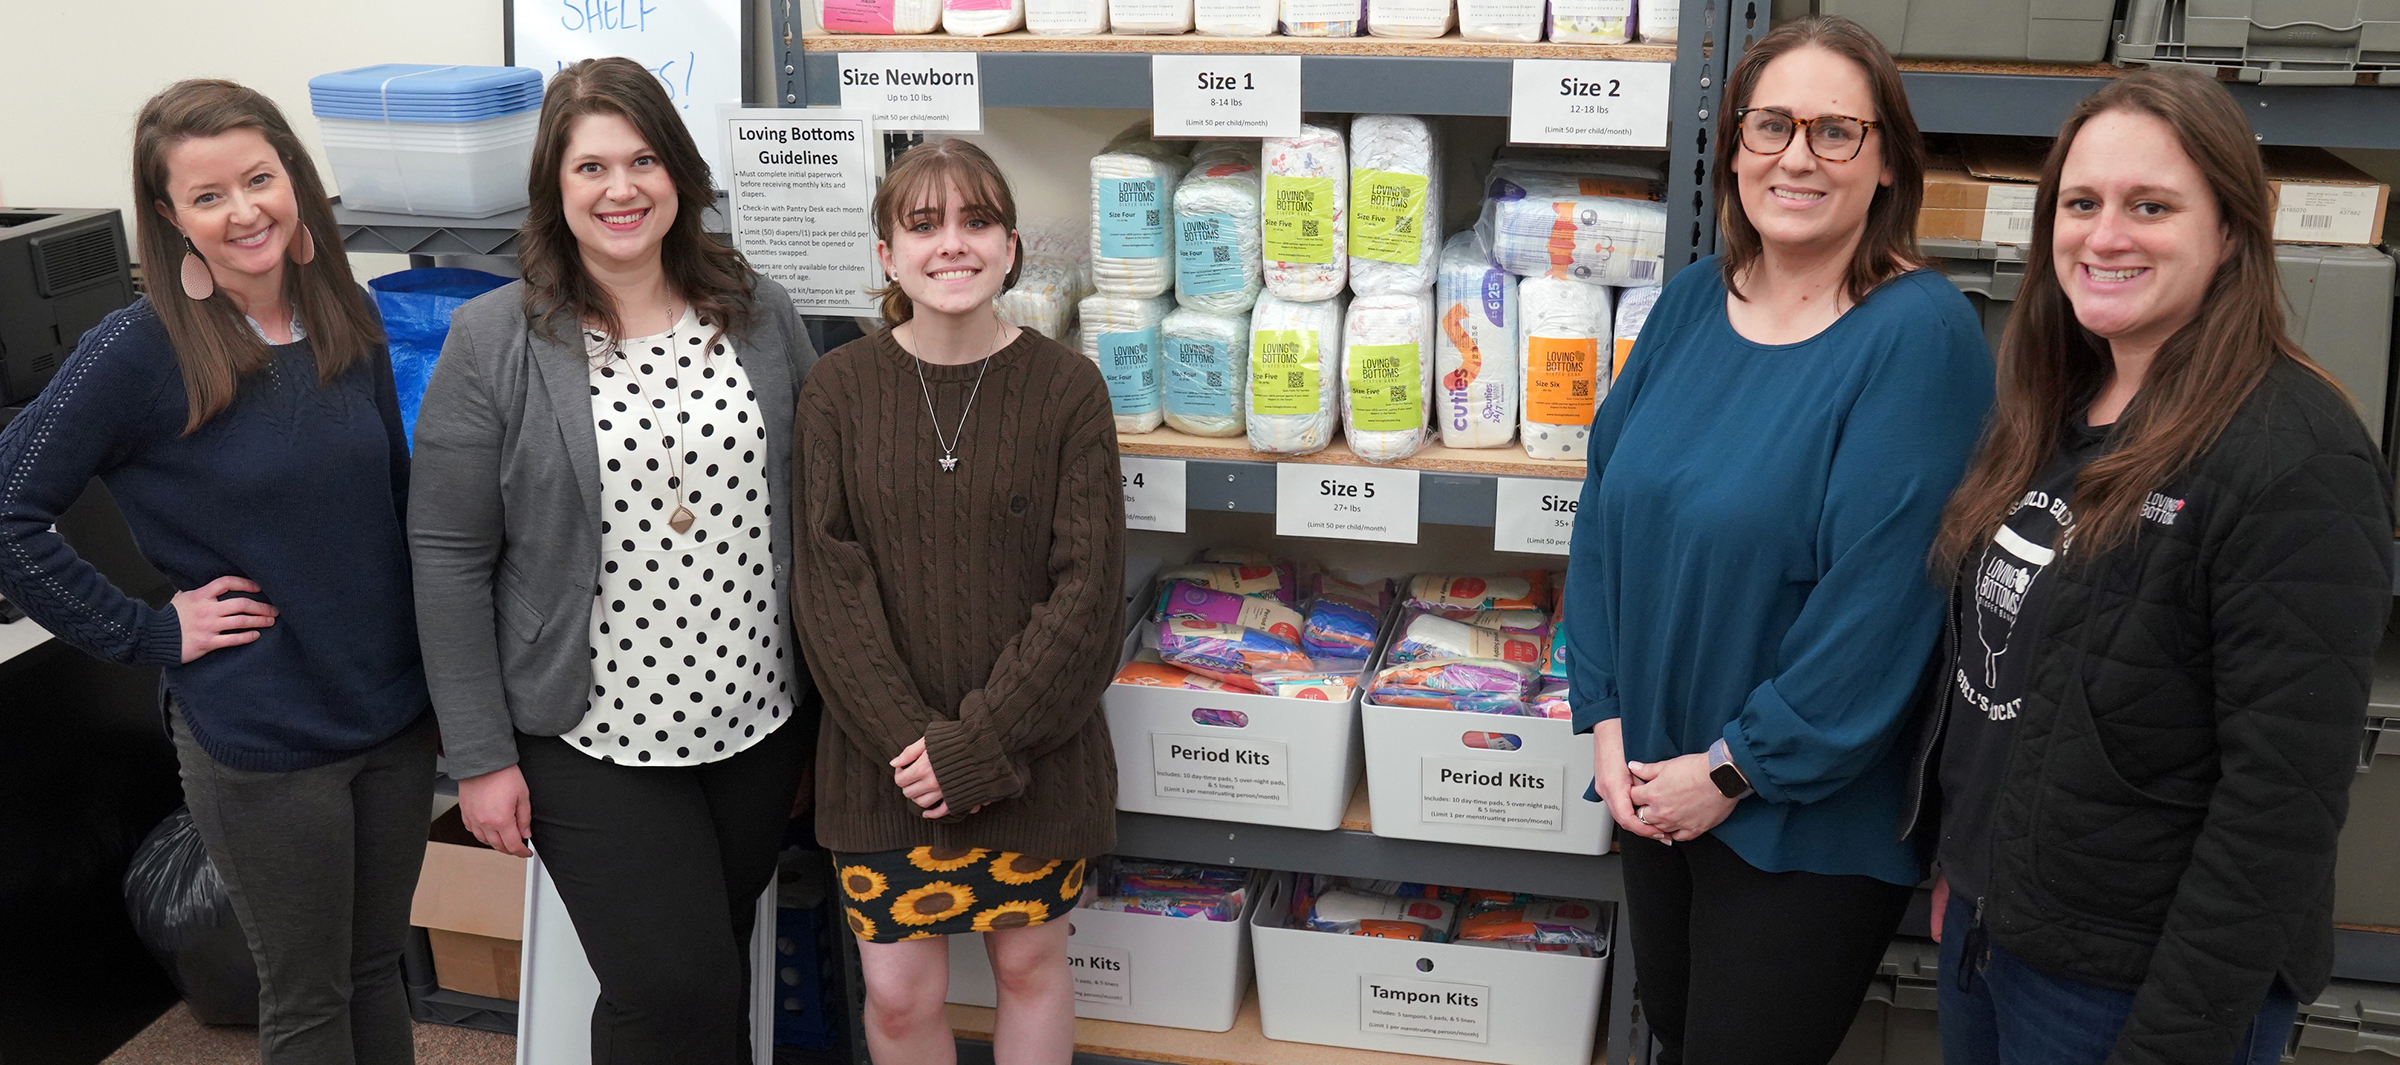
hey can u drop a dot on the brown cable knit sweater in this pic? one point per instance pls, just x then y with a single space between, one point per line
979 609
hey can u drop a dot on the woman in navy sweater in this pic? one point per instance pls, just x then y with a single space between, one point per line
1750 607
245 421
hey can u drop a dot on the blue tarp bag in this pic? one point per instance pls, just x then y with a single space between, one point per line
416 306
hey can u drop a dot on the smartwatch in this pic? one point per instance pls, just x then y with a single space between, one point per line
1724 774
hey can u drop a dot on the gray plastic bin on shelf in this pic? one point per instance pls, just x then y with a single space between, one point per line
2366 874
2049 31
2352 1023
2339 299
2282 42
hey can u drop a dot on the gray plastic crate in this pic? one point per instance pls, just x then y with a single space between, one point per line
2273 42
2352 1023
2366 873
2050 31
2339 302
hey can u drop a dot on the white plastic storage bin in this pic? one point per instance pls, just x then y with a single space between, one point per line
1427 778
1442 1000
461 170
1175 972
1293 762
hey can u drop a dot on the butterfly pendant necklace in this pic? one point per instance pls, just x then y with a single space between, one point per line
949 459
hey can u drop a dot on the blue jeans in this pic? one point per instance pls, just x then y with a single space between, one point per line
2016 1014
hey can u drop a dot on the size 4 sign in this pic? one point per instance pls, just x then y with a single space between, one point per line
1534 515
1153 493
1346 502
1588 101
1225 95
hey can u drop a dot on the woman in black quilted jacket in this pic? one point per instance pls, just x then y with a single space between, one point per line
2169 564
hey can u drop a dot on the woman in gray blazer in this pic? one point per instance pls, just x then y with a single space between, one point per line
598 527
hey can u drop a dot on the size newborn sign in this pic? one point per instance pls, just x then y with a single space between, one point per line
1427 1009
1221 769
1475 791
1588 101
936 91
1225 95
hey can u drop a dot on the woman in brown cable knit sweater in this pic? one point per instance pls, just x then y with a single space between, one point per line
961 550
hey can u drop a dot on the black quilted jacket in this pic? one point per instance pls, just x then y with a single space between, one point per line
2190 729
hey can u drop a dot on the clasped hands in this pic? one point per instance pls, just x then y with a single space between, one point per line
913 772
1673 801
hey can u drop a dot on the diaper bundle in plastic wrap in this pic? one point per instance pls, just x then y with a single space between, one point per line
1242 573
1533 623
981 18
1295 359
1343 618
1236 18
1562 327
1471 685
1598 228
879 16
1172 889
1218 239
1550 700
1229 653
1387 375
1474 346
1591 21
1306 212
1323 18
1500 20
1408 18
1349 911
1147 670
1150 16
1050 282
1197 601
1205 357
1556 667
1531 922
1431 636
1633 310
1066 17
1658 20
1133 240
1395 204
1444 592
1121 336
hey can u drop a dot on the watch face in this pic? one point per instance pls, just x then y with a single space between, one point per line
1728 779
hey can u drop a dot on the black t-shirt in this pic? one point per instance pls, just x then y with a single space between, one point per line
2001 596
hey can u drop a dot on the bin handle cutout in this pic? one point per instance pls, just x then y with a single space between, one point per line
1220 718
1492 741
1424 965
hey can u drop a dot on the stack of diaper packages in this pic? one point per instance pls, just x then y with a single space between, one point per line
1431 913
1474 346
1053 277
1476 644
879 16
1241 621
1172 889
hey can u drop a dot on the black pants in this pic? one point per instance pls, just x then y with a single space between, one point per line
1740 967
661 868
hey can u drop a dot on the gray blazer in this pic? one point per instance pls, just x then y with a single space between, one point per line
504 517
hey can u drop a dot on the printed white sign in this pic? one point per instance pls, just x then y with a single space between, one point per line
1588 101
1153 493
1225 95
1102 974
1346 502
1427 1009
800 182
1535 515
2008 214
1221 769
931 91
693 46
1474 791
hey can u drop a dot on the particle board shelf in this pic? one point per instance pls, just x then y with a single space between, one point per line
1457 486
1451 46
1245 1044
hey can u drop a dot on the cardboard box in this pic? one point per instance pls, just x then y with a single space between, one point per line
2319 199
1441 1000
1980 188
471 902
1176 972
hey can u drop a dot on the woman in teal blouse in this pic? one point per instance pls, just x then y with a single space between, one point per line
1749 602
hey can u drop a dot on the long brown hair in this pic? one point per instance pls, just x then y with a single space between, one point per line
213 345
2048 364
713 278
1888 248
924 175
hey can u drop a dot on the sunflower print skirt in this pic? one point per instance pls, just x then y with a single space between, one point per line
946 891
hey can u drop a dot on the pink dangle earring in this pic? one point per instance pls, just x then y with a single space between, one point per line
198 283
303 248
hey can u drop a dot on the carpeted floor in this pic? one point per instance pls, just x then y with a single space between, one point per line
176 1039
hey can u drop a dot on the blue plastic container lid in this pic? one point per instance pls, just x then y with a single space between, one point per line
397 113
425 79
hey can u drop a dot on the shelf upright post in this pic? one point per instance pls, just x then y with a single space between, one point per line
791 84
1714 35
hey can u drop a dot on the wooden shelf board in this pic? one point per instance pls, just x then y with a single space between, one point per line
1993 66
1498 461
1357 817
1244 1045
1452 46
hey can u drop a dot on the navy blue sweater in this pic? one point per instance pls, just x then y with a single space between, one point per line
1749 555
299 488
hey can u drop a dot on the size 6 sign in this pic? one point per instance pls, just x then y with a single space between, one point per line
1225 95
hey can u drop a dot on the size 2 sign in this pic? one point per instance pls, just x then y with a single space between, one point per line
1588 101
1154 493
1225 95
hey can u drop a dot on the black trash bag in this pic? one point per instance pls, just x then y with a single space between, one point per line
181 912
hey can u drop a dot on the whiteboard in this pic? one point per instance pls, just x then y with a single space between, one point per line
694 46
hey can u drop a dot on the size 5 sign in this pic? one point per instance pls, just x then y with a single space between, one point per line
1153 493
1346 502
1225 95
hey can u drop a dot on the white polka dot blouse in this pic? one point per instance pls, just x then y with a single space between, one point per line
688 648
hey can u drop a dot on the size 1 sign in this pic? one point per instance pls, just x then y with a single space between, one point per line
935 91
1153 493
1534 515
1225 95
1588 101
1346 502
